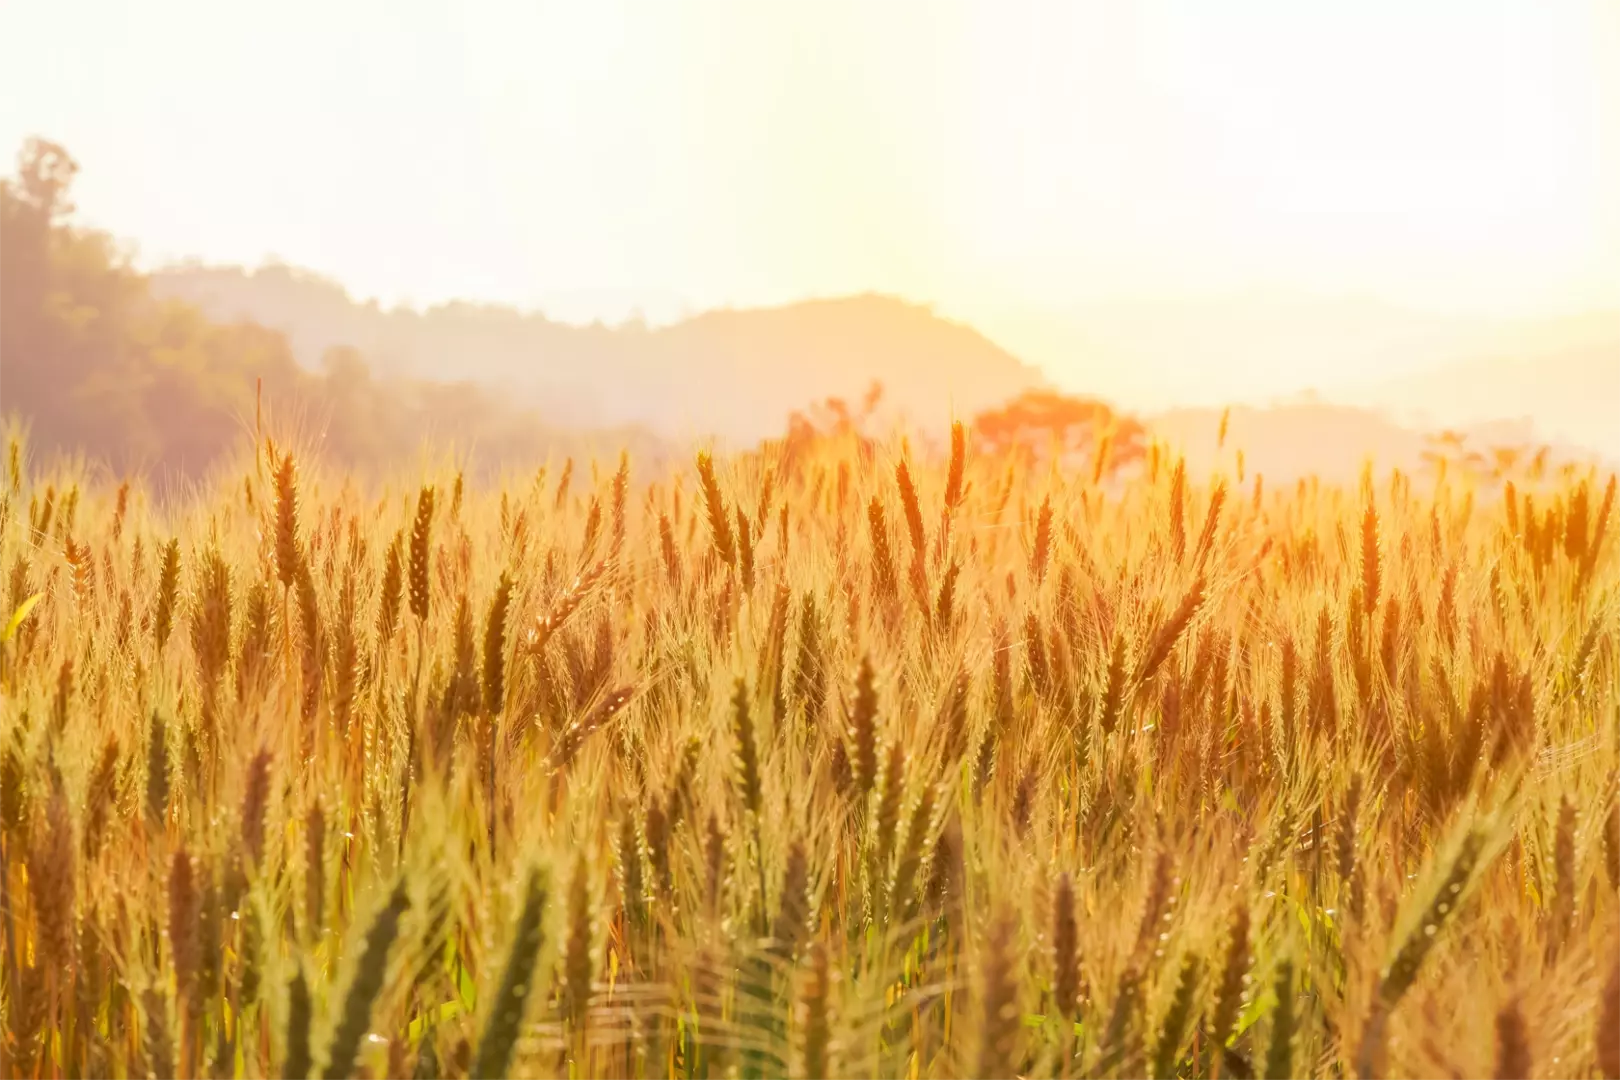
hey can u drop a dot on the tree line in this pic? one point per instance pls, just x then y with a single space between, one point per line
94 363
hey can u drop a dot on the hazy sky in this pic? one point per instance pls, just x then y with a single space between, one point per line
995 158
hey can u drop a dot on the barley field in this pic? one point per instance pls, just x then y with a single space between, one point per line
834 758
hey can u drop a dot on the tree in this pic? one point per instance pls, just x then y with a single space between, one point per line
830 418
1072 428
97 364
45 171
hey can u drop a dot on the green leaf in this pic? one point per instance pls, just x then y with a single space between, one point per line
17 617
466 990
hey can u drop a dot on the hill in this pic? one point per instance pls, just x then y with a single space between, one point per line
1563 375
734 373
1304 437
1425 369
1169 351
94 363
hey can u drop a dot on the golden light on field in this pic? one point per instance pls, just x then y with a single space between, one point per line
831 758
818 691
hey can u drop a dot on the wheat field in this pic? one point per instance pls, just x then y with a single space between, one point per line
831 758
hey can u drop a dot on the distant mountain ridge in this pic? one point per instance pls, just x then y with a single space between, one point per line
734 373
1569 388
1291 440
739 373
1561 372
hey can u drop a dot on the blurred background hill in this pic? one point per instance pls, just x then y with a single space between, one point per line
734 373
162 370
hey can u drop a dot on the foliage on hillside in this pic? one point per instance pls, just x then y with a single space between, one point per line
843 762
96 364
736 373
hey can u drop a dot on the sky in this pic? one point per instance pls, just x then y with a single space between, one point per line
1007 161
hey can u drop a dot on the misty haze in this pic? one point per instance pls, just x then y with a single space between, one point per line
718 540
